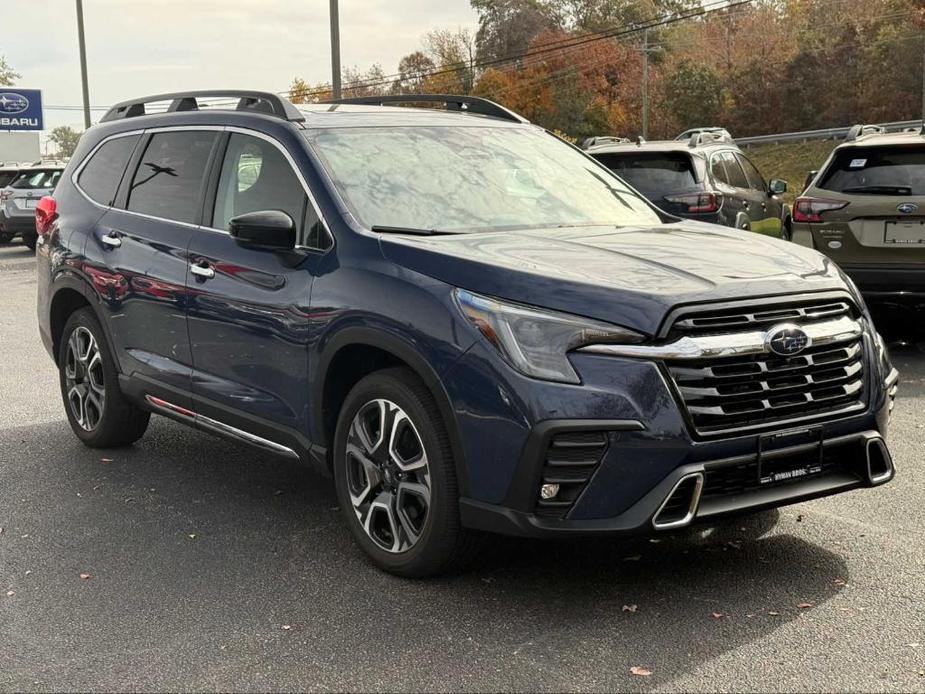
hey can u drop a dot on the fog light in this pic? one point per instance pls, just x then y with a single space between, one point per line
549 491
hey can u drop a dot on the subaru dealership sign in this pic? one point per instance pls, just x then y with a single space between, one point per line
20 109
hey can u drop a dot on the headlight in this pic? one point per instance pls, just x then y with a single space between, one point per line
535 341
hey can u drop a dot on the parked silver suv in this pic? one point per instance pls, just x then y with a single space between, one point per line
18 201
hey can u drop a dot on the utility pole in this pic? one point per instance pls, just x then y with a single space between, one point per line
83 62
645 84
335 50
923 78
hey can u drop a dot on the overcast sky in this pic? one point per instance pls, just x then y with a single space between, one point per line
138 47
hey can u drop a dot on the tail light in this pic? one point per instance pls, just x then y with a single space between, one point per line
811 209
698 202
5 195
46 212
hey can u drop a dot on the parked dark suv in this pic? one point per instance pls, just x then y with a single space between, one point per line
470 324
705 177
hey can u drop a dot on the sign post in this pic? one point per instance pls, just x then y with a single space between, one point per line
21 109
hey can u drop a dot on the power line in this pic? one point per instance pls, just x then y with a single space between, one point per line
544 49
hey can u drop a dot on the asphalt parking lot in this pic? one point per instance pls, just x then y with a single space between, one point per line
187 562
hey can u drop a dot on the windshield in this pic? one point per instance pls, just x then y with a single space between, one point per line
654 173
32 180
898 170
472 178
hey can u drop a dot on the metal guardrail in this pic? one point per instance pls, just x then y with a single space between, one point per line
821 134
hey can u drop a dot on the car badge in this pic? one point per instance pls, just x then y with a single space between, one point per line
11 103
786 340
907 207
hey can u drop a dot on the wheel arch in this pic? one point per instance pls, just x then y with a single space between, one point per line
357 352
70 294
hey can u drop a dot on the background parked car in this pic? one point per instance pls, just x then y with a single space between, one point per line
18 201
865 209
707 178
690 132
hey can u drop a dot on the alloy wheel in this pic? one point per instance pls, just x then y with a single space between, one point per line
388 477
83 374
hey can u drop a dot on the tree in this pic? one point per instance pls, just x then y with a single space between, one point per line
65 139
451 49
7 75
506 27
412 70
694 95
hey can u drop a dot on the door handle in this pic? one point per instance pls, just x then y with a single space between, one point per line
112 240
745 205
202 270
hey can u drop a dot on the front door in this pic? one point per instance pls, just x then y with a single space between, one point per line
249 313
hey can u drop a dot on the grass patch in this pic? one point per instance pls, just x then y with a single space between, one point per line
791 161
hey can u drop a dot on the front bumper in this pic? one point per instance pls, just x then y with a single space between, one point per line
844 463
508 423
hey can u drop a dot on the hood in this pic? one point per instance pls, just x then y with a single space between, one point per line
630 276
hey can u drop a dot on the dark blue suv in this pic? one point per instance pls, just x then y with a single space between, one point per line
470 324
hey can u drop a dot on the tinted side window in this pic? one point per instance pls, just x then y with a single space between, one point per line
101 175
718 169
169 178
255 177
736 175
755 180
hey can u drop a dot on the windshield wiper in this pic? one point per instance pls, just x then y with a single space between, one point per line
880 190
409 230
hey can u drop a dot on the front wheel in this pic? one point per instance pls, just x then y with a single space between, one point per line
98 412
395 476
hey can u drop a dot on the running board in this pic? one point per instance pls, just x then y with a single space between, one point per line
220 428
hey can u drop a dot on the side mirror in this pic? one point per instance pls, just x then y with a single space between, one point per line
777 186
269 229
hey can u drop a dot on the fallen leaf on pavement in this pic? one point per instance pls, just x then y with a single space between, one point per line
286 627
799 518
105 460
717 615
640 671
10 593
630 608
840 582
805 605
192 536
84 577
773 613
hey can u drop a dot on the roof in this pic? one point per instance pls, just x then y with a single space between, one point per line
366 115
885 139
660 146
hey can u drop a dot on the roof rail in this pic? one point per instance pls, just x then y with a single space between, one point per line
856 131
257 102
589 142
466 104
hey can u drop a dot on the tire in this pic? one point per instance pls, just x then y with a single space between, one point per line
99 414
5 237
381 488
30 240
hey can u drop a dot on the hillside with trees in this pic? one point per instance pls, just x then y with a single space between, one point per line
755 67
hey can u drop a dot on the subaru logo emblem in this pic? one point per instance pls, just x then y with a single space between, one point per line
907 207
11 103
786 340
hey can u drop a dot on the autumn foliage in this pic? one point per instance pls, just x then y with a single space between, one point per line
762 67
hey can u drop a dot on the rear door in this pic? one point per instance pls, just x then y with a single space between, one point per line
249 310
748 202
138 253
734 212
764 210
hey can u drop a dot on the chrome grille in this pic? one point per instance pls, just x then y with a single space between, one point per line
751 390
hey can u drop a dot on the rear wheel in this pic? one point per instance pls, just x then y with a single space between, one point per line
30 240
396 478
5 237
98 412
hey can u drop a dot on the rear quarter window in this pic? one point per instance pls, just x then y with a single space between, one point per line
886 170
101 175
652 172
37 179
